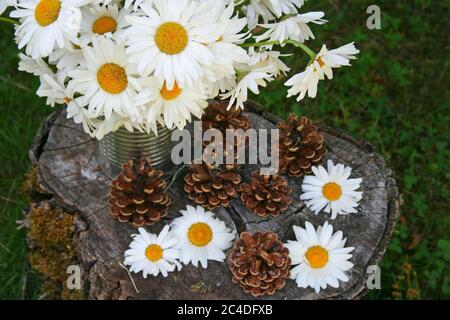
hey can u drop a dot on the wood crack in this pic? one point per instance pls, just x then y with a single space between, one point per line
237 219
70 146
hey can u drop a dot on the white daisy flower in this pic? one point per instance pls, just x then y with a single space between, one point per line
52 87
57 93
153 254
170 40
47 24
293 28
307 81
81 116
326 59
270 9
105 79
272 58
5 4
255 11
37 67
201 236
304 83
262 68
65 61
176 106
280 7
320 256
252 80
230 25
227 53
102 20
332 190
135 4
214 88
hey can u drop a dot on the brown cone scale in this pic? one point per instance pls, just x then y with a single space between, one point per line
301 146
259 263
266 195
137 196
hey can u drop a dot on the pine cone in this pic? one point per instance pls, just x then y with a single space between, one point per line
212 186
260 263
218 117
137 194
266 195
301 146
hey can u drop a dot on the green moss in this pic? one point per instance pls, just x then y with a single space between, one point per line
52 229
50 263
52 239
30 186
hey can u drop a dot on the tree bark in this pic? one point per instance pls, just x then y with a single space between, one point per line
69 171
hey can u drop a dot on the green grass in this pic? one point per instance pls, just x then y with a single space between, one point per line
395 96
21 113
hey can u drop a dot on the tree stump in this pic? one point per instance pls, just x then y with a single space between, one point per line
69 171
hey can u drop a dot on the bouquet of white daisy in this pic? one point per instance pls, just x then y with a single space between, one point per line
145 64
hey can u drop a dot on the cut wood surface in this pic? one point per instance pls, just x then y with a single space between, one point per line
69 170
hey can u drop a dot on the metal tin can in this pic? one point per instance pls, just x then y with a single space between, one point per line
118 147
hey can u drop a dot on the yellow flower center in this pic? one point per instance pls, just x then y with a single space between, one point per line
154 252
47 12
200 234
171 38
112 78
317 257
320 61
332 191
170 94
104 25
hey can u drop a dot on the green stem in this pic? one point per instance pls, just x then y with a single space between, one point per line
241 5
175 176
304 47
9 20
259 44
298 44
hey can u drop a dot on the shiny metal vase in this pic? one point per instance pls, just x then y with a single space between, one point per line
118 147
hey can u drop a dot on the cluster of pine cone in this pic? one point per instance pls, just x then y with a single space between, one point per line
215 185
301 146
259 262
